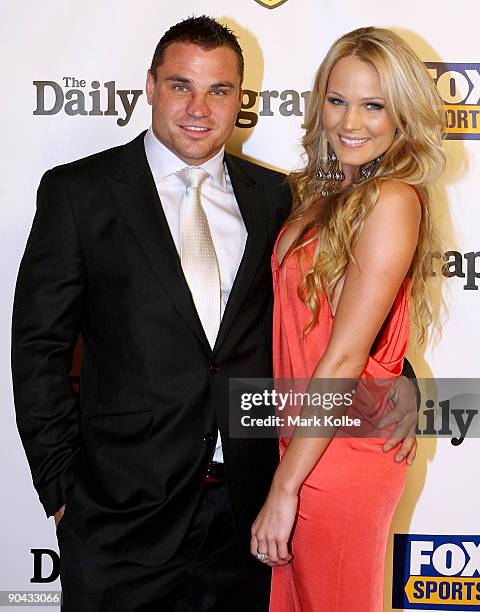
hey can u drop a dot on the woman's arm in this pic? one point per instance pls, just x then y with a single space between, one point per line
383 255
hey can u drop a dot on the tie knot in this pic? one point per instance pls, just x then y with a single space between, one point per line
192 177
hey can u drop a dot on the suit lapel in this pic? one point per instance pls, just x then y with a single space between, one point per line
251 201
136 195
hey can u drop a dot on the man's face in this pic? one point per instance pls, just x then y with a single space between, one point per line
195 100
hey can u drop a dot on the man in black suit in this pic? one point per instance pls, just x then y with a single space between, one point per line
152 511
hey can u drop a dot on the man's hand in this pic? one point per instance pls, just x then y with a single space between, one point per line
405 416
58 515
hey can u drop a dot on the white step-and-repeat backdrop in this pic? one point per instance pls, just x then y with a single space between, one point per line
72 78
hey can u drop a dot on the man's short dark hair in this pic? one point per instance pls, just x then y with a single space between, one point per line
203 31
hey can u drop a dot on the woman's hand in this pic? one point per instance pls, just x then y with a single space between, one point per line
273 526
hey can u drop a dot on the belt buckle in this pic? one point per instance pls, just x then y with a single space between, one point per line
215 473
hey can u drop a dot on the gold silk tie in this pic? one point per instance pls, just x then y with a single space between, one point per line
197 253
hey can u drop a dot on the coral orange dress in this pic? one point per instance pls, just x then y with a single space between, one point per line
347 502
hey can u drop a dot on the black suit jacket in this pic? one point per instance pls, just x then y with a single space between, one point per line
128 454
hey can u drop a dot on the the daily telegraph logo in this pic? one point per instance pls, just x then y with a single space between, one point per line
436 572
459 87
75 97
457 84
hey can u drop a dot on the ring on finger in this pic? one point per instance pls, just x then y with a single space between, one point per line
261 556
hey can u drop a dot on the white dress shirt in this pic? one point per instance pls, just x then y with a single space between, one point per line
225 220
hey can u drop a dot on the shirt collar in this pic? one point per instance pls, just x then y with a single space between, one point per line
163 162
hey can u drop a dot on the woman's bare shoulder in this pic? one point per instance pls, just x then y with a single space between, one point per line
399 202
398 192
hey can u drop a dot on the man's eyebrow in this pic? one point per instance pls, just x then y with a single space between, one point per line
223 84
177 78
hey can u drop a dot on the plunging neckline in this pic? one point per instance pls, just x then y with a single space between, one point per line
278 266
286 255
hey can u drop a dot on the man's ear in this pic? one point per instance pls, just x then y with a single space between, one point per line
240 99
149 86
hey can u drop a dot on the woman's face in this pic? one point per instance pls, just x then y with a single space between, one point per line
355 120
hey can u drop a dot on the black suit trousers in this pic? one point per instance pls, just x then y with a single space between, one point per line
208 572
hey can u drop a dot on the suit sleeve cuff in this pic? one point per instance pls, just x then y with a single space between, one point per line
53 494
409 373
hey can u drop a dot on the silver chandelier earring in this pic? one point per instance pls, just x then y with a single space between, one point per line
330 172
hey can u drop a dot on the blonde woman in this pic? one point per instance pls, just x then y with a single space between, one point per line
349 273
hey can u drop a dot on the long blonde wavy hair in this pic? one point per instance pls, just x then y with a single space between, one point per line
415 157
